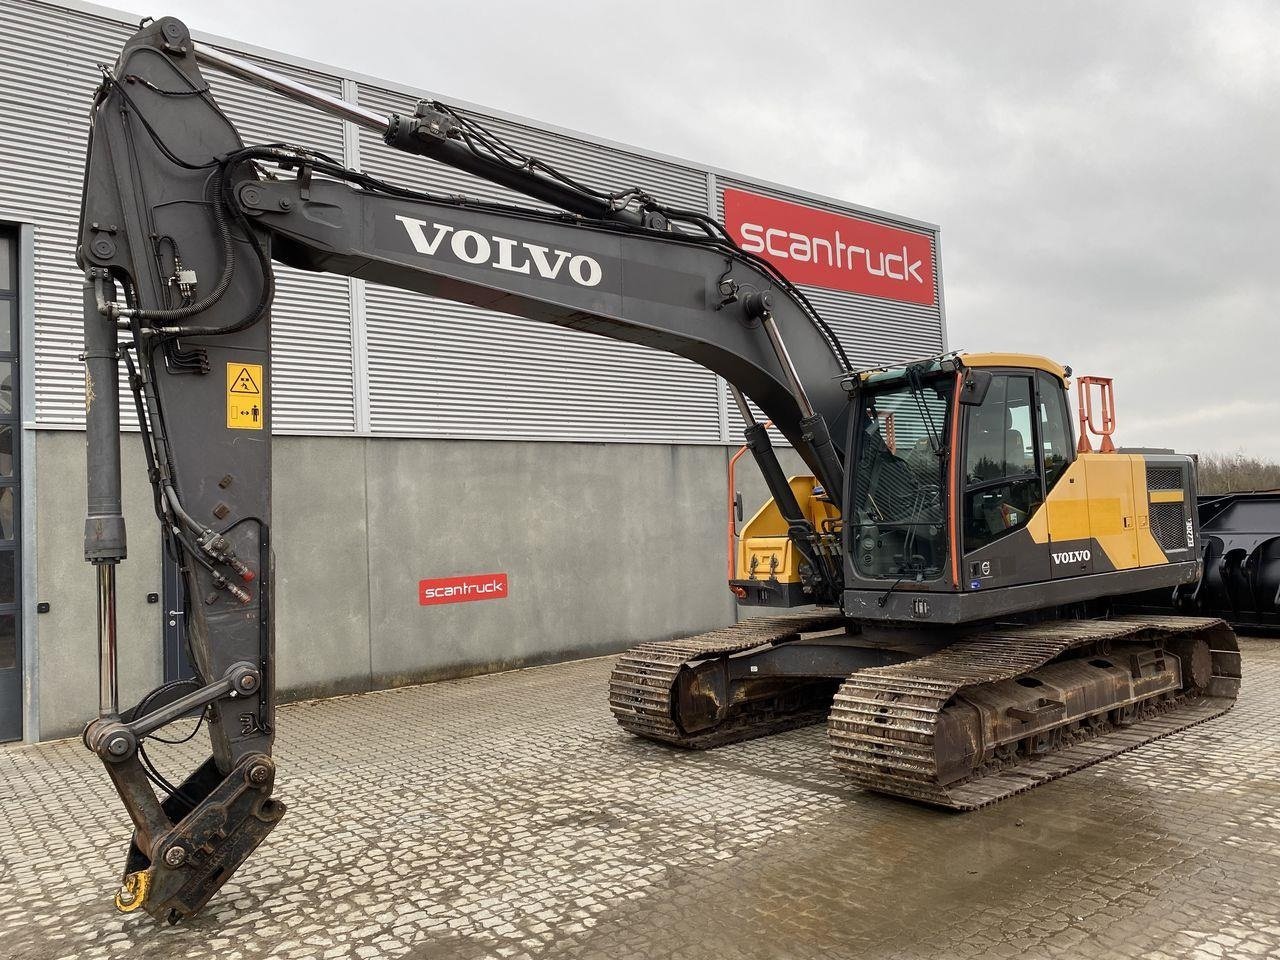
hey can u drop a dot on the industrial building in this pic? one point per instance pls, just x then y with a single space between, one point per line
418 440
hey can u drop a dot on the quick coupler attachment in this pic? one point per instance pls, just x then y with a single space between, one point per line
182 868
186 846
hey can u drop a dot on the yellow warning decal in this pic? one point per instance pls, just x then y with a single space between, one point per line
246 402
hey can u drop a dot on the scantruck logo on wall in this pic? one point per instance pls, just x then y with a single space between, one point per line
475 586
836 251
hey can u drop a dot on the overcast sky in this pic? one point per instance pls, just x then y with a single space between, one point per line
1105 174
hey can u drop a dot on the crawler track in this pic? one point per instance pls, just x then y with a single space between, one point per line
642 687
883 721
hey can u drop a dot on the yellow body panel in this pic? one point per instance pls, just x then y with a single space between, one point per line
1104 497
1067 509
1024 360
764 551
1113 521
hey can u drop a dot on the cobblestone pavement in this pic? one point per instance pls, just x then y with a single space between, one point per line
507 816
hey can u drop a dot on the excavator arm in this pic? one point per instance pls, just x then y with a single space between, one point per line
180 226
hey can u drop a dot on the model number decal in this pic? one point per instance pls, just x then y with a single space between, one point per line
1072 556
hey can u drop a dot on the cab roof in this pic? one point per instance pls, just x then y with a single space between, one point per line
953 361
1032 360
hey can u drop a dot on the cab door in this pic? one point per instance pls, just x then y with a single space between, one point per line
1066 484
1002 483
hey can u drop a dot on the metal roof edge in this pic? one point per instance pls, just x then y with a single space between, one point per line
131 19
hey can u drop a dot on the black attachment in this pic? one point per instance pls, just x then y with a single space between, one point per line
1240 537
213 824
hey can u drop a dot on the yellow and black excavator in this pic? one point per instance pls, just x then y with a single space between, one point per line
957 553
980 643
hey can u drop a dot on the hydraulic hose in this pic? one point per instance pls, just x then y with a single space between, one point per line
228 266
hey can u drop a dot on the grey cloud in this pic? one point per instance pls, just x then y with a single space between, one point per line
1104 173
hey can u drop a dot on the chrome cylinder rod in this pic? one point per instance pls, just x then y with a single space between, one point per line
108 684
748 417
261 77
797 388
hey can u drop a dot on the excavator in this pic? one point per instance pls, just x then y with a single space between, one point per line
941 586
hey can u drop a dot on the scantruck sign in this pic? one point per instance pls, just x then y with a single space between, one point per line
836 251
475 586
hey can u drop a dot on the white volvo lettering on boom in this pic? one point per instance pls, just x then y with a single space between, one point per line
502 253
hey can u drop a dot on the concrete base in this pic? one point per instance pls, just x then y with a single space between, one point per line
604 546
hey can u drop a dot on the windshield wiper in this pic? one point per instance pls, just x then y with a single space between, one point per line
915 382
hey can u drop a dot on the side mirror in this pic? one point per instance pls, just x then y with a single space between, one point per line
737 505
974 389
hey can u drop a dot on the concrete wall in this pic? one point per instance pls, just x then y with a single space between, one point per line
66 637
605 545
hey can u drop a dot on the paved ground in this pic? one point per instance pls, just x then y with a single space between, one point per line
507 816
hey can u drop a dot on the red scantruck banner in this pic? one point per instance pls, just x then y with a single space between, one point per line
831 250
476 586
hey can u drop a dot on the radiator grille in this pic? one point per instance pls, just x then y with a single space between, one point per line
1164 478
1169 525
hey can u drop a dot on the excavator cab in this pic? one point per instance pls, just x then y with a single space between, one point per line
968 498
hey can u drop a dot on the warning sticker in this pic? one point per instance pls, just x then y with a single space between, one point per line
246 404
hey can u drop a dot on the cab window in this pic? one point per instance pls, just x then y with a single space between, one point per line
899 523
1002 478
1057 448
1000 433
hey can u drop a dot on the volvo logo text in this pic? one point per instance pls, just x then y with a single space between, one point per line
1072 556
502 253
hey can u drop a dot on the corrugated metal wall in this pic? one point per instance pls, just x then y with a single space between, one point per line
432 368
441 369
48 73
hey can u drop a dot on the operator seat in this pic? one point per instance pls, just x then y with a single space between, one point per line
1016 461
995 449
986 455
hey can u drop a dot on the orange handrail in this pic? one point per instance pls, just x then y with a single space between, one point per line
733 502
1107 411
